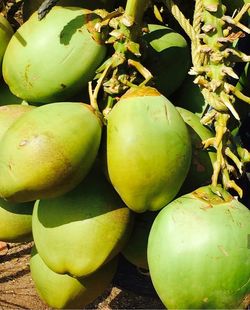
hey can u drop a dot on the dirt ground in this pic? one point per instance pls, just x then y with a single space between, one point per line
17 289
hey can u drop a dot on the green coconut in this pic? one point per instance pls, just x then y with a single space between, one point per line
6 96
16 221
244 82
201 168
189 97
62 291
48 151
243 85
167 57
198 254
148 149
135 251
6 33
55 57
30 6
9 114
80 231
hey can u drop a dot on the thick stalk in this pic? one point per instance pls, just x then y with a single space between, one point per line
213 28
116 74
133 16
213 36
135 10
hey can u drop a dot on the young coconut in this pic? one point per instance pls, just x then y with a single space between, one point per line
135 251
48 151
201 167
55 57
9 114
6 33
93 227
16 221
198 254
6 96
189 97
167 57
148 149
62 291
30 6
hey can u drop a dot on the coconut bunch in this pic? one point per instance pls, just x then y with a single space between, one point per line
121 135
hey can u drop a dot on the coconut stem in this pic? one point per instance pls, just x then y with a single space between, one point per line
135 10
215 91
213 35
124 66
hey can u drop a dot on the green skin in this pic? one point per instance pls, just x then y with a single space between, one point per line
200 173
93 227
16 221
248 78
45 154
243 85
198 254
61 291
30 6
189 96
6 33
54 58
244 81
201 168
135 250
6 96
145 136
9 114
167 57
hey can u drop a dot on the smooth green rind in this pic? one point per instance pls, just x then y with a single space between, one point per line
30 6
167 57
135 251
148 150
198 252
9 114
201 167
6 33
189 96
244 82
243 85
6 96
79 232
54 58
48 151
62 291
16 221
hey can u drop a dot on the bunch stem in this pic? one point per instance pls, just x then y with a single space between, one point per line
135 9
214 54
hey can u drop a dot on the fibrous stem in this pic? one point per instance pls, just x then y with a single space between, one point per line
213 36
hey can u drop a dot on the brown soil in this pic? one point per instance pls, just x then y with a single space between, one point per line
17 288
